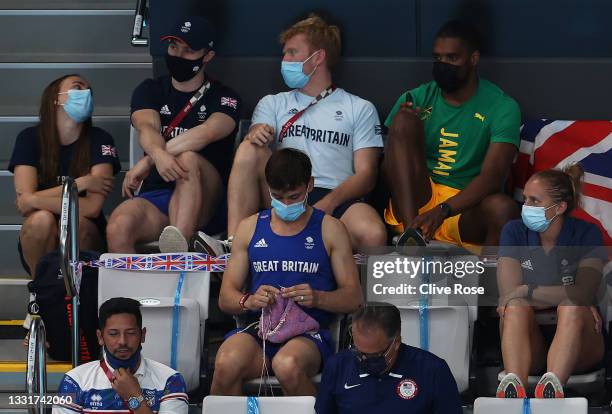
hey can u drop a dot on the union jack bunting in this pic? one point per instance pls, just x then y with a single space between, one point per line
554 144
178 262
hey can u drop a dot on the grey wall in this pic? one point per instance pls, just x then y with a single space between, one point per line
553 56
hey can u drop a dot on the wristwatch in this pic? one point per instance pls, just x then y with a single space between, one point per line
446 209
135 402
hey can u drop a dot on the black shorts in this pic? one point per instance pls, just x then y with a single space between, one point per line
318 193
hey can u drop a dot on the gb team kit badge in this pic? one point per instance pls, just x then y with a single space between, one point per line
407 389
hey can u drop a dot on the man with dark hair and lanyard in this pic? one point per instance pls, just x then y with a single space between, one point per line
339 131
380 374
186 124
122 380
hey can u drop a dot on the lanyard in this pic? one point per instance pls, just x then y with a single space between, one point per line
176 319
424 312
110 377
252 405
181 115
324 94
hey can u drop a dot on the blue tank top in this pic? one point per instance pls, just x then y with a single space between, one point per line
285 261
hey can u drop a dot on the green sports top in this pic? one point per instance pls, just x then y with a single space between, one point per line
457 137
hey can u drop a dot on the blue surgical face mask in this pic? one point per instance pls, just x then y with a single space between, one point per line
79 105
131 362
535 217
293 73
289 212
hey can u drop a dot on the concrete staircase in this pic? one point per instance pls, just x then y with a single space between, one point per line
41 40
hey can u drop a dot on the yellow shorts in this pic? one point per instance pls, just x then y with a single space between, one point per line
449 230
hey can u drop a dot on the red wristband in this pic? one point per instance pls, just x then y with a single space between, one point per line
242 301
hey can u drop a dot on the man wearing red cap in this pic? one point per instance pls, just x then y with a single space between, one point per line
186 124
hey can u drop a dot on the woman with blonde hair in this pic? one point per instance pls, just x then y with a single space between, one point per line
549 261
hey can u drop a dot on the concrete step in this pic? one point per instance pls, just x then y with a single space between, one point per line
117 126
78 36
12 374
112 84
14 294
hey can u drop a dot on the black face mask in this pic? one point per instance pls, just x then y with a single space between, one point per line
450 78
374 365
183 69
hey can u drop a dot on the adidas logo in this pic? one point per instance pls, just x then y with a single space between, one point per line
527 264
165 110
261 243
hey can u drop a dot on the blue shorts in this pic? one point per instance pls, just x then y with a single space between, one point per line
322 339
159 198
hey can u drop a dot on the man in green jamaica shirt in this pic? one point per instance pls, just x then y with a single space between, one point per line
450 146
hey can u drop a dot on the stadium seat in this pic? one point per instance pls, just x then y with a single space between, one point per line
538 406
156 292
253 385
214 404
449 338
451 318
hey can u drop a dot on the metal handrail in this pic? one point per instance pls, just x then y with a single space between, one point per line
139 21
36 373
69 255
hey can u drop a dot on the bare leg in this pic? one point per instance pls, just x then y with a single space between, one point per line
364 226
247 190
404 166
133 221
238 360
523 348
294 366
194 199
576 346
38 236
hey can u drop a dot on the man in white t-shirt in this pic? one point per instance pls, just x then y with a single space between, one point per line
340 132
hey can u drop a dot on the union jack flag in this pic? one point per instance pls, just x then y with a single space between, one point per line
231 102
190 262
554 144
109 150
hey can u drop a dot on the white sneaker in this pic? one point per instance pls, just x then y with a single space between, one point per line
171 240
203 243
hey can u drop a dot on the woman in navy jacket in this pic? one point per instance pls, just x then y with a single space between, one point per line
549 261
